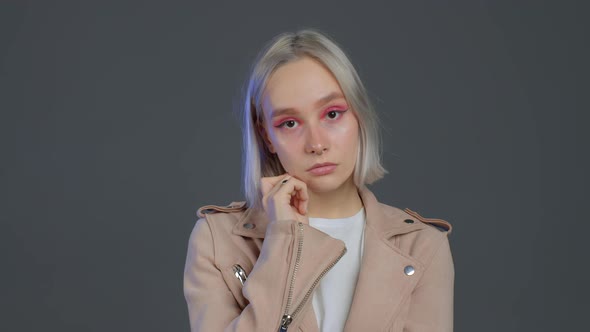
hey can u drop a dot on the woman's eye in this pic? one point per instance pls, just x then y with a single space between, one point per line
288 124
335 114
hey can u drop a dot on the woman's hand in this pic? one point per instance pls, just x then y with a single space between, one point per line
285 197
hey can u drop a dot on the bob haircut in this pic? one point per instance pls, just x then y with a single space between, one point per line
257 160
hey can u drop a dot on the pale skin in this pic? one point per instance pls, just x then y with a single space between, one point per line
314 130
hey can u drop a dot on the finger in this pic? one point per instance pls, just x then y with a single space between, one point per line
296 188
303 195
284 187
274 190
301 207
268 183
302 201
296 201
281 183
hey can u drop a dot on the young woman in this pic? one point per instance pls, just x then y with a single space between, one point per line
311 248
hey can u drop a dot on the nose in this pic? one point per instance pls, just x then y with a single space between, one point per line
316 142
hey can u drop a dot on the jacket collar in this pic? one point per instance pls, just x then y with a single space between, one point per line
386 220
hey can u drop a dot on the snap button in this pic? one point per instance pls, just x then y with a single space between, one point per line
409 221
249 226
409 270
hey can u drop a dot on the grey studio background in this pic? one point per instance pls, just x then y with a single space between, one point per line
117 124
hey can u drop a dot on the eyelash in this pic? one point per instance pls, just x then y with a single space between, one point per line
330 111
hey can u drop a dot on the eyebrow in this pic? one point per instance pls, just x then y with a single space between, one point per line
327 98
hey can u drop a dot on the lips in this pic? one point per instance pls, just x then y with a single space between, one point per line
321 165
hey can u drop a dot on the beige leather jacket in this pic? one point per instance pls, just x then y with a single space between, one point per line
243 273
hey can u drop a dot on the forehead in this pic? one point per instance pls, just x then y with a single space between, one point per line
298 85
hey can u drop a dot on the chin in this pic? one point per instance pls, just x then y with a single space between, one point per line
323 184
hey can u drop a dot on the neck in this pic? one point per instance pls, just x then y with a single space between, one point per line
342 202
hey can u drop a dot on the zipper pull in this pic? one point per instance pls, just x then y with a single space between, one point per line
285 323
240 273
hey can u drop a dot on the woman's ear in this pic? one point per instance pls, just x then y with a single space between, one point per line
264 135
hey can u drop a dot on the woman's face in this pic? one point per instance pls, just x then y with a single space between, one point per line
307 120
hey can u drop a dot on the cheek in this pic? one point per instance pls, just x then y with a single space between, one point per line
348 141
286 148
346 134
285 142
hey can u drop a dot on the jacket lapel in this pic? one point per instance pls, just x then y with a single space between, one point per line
382 284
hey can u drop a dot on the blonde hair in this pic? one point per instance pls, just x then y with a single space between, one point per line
257 160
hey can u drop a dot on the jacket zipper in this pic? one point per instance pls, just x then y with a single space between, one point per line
240 273
288 318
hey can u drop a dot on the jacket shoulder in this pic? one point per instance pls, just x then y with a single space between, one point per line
415 235
236 206
222 218
441 224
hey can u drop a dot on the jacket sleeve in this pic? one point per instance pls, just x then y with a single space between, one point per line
431 307
211 305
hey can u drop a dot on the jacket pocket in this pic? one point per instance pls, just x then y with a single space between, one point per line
233 281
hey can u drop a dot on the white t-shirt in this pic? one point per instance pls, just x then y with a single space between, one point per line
333 296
